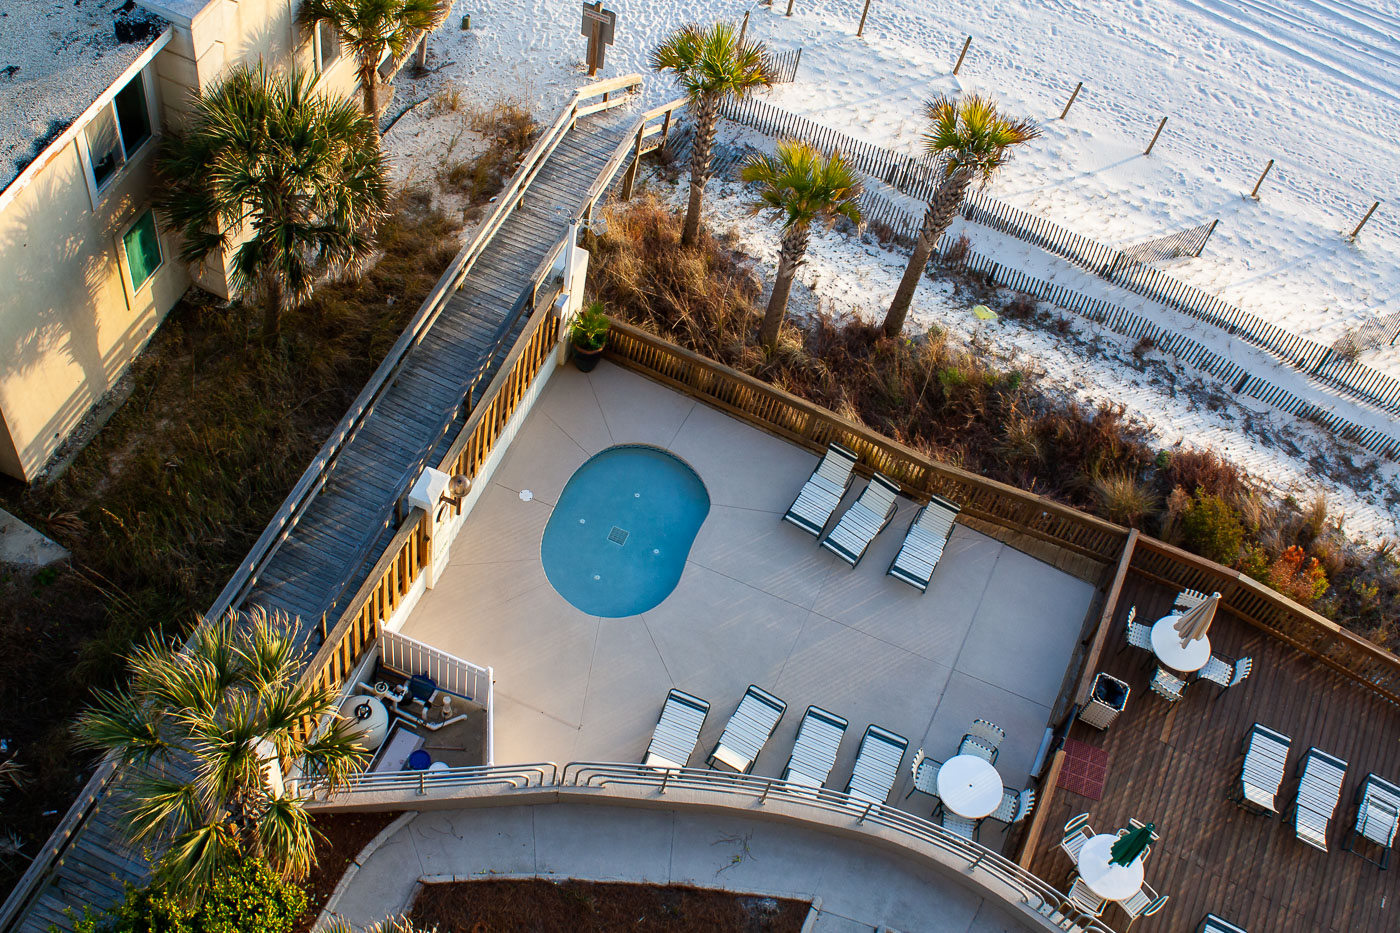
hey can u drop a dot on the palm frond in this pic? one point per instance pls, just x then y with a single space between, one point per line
161 805
122 723
287 838
973 134
802 187
198 856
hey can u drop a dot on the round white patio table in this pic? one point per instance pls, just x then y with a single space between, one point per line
969 786
1113 882
1166 645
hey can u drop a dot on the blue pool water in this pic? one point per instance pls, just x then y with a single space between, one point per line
620 533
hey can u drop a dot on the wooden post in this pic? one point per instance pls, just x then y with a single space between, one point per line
666 128
962 55
1155 135
789 9
860 30
743 30
1213 225
630 179
1064 113
1363 220
1262 175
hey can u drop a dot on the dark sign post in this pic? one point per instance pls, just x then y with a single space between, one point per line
598 25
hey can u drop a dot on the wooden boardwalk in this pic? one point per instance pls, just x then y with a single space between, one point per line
349 521
1176 764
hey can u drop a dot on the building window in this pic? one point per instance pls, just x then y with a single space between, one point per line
117 131
327 46
142 247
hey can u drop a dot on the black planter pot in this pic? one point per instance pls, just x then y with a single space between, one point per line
585 360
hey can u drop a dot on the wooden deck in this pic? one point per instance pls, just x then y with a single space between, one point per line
1176 765
349 521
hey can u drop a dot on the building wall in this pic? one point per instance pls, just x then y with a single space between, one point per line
70 322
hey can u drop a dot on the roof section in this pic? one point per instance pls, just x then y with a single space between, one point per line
57 57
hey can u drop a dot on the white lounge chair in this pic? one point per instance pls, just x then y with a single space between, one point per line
1214 924
748 730
1265 762
865 519
924 542
877 764
818 499
1319 791
1377 818
814 752
677 731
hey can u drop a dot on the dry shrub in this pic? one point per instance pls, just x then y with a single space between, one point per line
1205 469
510 131
1124 499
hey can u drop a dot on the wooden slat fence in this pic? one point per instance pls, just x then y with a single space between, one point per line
783 65
1377 332
918 177
1173 245
814 427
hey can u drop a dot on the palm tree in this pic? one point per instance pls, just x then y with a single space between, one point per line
800 187
710 65
976 139
205 725
372 29
296 180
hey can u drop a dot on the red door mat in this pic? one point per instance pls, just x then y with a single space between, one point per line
1084 769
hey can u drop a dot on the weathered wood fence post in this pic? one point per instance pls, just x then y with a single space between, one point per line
1064 113
860 30
1262 175
962 54
1155 135
1363 220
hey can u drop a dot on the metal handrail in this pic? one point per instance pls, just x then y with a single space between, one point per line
978 860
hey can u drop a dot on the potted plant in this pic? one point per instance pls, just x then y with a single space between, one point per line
589 334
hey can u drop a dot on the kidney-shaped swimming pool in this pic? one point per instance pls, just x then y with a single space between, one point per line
620 534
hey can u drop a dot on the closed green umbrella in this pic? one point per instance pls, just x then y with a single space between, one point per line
1130 846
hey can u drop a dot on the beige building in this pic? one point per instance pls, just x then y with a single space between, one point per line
87 270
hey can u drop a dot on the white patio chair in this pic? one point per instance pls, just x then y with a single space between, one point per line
748 730
877 764
959 825
814 752
1265 762
1187 600
1144 903
923 772
1319 791
924 542
1167 685
822 493
1139 635
1377 818
677 731
865 519
1077 832
1222 672
971 745
1015 806
991 732
1086 900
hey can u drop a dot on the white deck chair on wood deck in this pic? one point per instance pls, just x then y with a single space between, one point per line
923 544
814 752
1265 763
1319 791
818 499
877 764
677 731
1377 818
865 519
748 730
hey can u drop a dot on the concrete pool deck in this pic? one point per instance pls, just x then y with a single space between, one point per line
757 603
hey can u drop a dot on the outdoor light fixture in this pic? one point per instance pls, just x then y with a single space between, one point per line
457 487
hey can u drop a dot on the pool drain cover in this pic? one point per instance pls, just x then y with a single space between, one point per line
617 535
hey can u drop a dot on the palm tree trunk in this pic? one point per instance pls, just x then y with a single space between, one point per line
789 258
272 311
940 213
706 109
369 84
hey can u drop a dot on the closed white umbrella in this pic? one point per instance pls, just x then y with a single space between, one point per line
1196 622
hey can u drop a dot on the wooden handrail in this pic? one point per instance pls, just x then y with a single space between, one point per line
1105 625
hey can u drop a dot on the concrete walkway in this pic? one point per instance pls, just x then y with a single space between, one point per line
862 888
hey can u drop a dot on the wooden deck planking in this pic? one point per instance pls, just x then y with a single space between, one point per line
314 561
1176 765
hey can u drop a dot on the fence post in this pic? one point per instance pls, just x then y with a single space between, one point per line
1262 175
1064 113
666 128
860 30
797 62
1206 238
962 55
1363 220
789 9
630 179
1155 135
